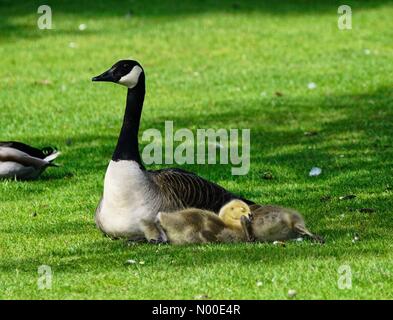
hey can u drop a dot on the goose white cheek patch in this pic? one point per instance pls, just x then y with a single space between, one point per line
131 79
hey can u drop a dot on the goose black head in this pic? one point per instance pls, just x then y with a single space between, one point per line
125 72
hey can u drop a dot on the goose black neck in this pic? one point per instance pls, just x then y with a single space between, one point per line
127 144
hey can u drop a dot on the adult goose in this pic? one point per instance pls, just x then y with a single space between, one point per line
132 195
24 162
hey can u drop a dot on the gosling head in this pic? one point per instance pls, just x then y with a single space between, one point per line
125 72
233 210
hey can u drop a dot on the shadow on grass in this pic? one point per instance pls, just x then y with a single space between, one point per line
351 126
99 9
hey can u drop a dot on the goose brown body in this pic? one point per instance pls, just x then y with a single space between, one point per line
180 189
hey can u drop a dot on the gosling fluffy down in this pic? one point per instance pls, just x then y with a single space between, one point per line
274 223
200 226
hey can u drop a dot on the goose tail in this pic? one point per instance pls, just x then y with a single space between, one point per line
52 157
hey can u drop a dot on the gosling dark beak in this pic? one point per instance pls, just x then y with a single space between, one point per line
106 76
247 228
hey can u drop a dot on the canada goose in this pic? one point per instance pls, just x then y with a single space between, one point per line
273 223
190 226
231 213
21 161
132 195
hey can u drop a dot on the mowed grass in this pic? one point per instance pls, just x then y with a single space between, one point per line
208 65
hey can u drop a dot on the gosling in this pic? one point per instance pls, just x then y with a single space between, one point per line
193 225
232 212
273 223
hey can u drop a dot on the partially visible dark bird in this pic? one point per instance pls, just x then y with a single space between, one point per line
23 162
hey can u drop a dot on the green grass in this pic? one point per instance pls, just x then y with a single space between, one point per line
208 65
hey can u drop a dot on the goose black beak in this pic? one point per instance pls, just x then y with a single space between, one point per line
106 76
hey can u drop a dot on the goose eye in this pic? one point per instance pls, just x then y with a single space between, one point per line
125 65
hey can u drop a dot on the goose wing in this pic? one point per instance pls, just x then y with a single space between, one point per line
182 189
31 151
8 154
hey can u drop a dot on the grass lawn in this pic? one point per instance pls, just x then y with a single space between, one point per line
215 65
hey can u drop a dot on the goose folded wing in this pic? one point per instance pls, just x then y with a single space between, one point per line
15 155
31 151
183 189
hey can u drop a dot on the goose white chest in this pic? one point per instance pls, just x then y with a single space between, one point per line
128 200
